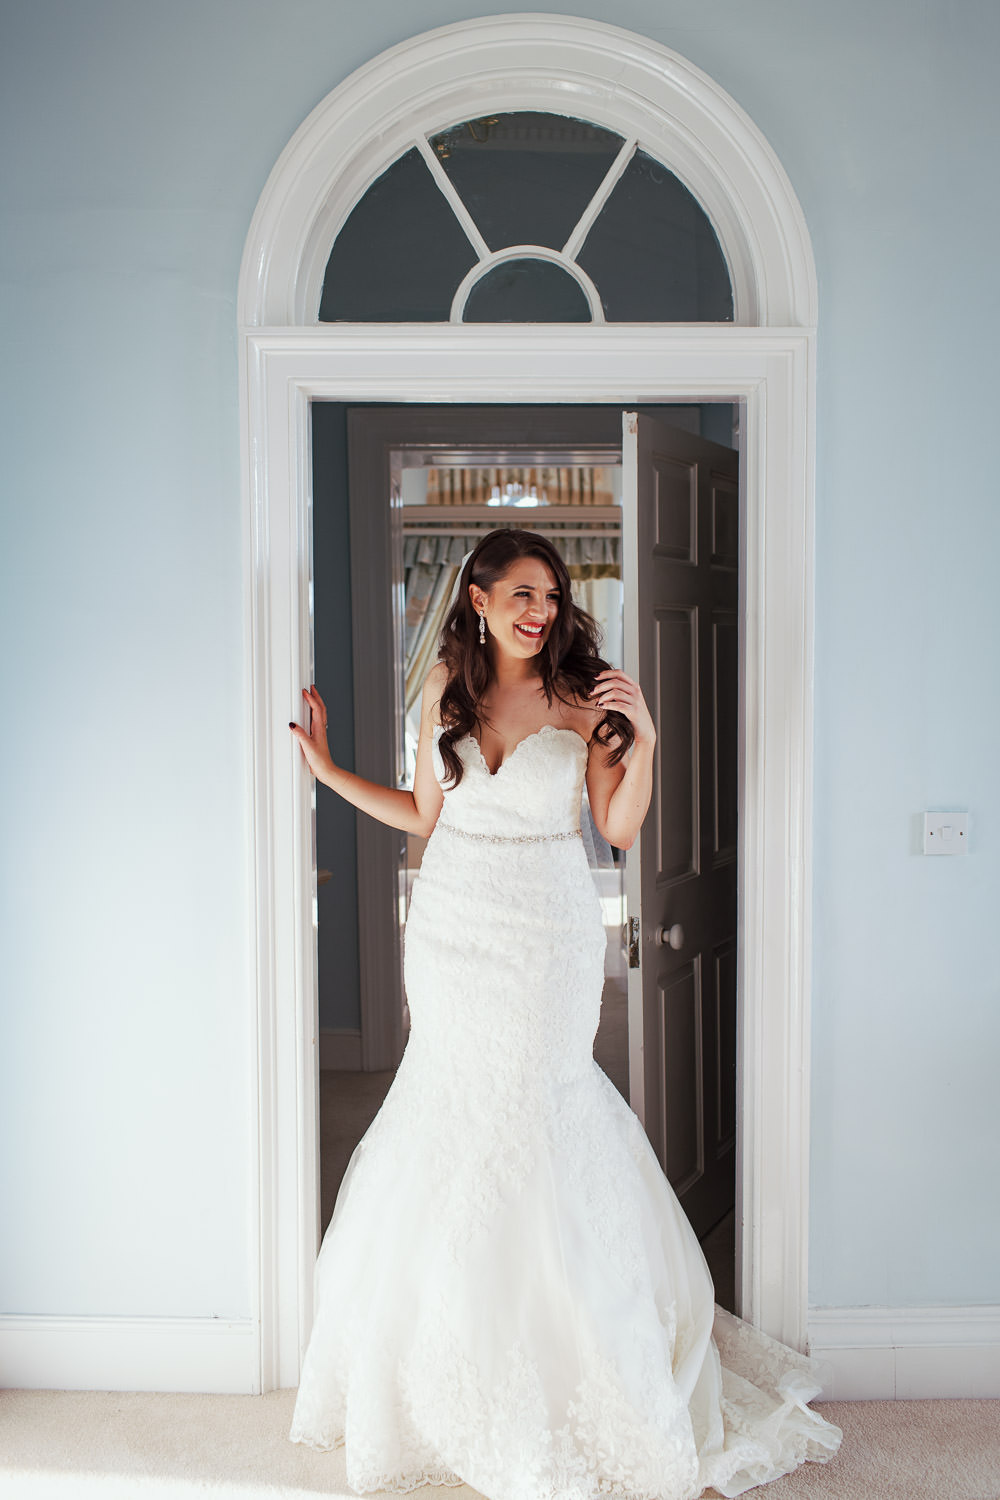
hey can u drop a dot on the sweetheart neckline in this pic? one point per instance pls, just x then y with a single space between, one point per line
553 728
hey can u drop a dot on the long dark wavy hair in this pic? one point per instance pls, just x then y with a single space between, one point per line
568 662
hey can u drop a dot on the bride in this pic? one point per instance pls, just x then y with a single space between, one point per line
509 1294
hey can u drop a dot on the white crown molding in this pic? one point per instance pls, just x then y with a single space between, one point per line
906 1353
130 1354
598 72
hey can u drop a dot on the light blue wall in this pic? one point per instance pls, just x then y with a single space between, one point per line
137 138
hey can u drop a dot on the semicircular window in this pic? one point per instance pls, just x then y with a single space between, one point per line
527 218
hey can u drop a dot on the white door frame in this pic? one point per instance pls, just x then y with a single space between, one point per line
287 361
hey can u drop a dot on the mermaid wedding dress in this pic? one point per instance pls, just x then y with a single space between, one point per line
509 1293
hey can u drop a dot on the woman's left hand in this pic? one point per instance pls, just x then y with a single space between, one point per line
620 693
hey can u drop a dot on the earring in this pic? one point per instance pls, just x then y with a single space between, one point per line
482 629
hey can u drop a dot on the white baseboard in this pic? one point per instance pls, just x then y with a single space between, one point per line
867 1353
129 1354
906 1353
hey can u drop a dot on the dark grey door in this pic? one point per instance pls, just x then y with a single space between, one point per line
686 571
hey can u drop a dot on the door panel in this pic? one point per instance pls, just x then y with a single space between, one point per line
681 1031
684 494
676 825
725 1009
725 540
675 534
725 729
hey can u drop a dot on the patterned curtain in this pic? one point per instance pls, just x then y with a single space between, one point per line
590 556
431 565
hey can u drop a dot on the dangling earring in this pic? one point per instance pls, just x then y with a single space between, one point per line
482 629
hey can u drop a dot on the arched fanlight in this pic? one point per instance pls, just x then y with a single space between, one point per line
527 217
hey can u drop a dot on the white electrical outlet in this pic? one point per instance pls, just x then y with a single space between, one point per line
946 833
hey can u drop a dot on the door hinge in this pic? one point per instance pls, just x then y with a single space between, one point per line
630 941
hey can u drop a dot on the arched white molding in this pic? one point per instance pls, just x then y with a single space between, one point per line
527 252
596 72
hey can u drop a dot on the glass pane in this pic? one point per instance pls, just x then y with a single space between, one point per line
653 253
527 291
401 254
526 178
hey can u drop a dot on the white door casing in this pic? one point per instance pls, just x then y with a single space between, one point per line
287 360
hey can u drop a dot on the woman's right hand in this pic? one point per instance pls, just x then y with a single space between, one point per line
391 805
313 743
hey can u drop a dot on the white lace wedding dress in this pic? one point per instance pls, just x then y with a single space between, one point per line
509 1293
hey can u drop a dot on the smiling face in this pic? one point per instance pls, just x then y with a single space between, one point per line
521 608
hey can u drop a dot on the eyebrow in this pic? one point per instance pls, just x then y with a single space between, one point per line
550 589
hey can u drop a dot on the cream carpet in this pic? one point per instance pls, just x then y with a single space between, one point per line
81 1445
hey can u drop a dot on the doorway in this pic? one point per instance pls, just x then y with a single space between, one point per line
438 477
769 373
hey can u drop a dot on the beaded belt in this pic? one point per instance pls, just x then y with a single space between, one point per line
511 838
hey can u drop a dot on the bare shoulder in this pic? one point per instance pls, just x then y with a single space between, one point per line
581 714
578 713
434 685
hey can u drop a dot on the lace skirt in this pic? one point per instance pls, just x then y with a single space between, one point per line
509 1294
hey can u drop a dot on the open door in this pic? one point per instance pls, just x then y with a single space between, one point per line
681 507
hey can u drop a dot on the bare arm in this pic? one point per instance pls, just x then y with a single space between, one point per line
620 795
412 812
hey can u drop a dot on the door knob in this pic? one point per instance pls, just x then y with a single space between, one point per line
670 937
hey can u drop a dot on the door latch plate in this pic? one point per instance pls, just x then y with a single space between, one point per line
630 941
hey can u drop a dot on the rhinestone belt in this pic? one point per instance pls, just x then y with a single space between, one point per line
511 838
